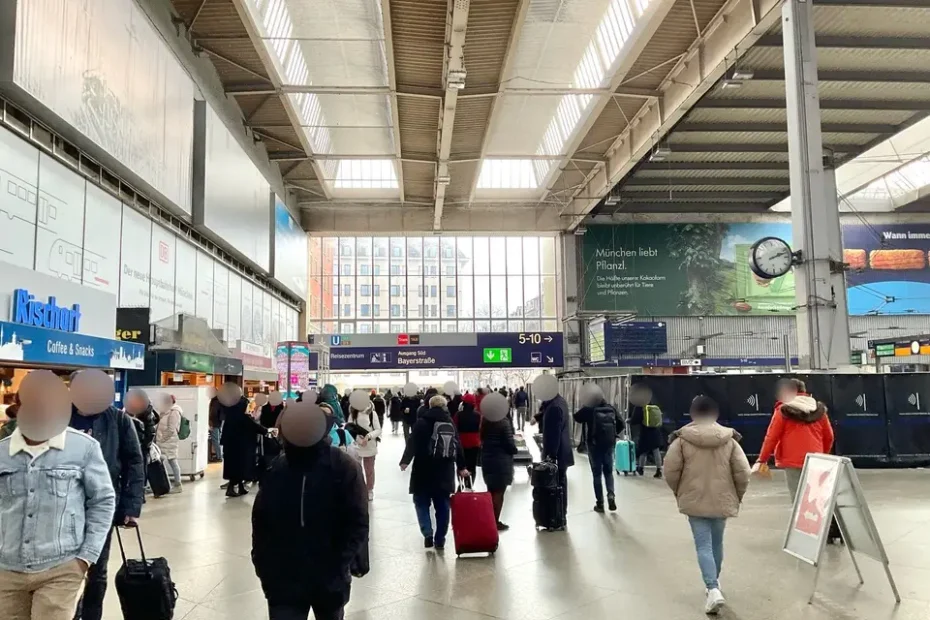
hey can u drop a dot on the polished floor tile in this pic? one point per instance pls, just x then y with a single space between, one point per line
638 562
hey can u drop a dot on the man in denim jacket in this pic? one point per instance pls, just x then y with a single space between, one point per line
56 505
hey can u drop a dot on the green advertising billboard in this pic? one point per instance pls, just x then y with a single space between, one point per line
681 270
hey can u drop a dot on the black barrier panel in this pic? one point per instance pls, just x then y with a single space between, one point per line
750 400
820 387
907 401
714 387
860 419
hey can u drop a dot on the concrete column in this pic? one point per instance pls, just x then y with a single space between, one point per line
823 316
569 276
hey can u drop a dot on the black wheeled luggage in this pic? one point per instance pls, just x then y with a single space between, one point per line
158 478
544 475
549 507
144 586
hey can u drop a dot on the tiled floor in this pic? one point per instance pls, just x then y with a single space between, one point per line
637 563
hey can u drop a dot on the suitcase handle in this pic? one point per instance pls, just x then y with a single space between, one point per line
122 551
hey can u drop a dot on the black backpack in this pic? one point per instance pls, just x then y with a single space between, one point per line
444 441
604 426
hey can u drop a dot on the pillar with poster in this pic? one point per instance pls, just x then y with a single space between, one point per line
829 489
292 359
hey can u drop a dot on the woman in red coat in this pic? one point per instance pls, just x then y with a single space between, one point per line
799 427
468 423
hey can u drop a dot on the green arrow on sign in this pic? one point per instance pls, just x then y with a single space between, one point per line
497 356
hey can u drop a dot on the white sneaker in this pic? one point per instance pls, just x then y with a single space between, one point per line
371 495
714 601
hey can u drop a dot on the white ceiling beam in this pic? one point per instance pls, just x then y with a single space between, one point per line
453 64
735 29
643 32
250 20
392 81
494 115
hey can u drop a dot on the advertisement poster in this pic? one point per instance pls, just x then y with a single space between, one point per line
19 180
290 251
681 269
102 224
814 495
889 268
60 221
164 250
135 260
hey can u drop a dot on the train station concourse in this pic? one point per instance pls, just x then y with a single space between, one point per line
464 309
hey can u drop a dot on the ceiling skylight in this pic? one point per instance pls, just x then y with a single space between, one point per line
336 44
508 174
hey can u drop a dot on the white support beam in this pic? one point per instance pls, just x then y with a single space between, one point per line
453 64
735 29
643 32
392 80
251 20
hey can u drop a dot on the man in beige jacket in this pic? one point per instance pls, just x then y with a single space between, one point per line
708 472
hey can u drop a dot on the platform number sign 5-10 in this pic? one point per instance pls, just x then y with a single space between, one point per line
534 338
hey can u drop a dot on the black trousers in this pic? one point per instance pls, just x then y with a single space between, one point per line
407 427
302 612
90 607
471 460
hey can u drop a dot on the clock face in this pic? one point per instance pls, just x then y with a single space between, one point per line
770 258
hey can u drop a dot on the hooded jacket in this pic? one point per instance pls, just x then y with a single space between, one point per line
330 395
707 470
556 431
798 427
166 435
309 522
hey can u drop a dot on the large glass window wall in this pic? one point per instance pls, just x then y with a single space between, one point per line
380 285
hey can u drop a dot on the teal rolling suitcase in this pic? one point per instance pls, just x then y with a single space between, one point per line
625 457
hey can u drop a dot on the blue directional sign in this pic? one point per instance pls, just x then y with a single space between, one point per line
36 345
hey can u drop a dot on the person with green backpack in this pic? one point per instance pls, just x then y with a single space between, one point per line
649 420
173 428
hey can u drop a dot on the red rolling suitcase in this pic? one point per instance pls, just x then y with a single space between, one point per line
474 527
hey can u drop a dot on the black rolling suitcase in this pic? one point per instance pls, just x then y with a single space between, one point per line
158 478
549 508
144 586
544 475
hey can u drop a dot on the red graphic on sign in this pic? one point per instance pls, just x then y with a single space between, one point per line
163 252
403 339
816 491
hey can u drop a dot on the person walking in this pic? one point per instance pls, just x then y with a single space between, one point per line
410 405
498 447
380 407
240 440
650 440
799 426
167 435
139 406
51 535
436 452
557 441
215 419
94 414
708 472
468 424
397 413
367 430
309 522
521 401
602 425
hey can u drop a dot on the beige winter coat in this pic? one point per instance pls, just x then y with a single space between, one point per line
707 470
166 435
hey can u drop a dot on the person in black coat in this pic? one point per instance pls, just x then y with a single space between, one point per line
409 407
649 441
498 448
432 480
380 407
271 447
309 526
602 425
397 412
557 440
240 440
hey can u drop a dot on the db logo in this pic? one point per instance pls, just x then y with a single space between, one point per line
163 252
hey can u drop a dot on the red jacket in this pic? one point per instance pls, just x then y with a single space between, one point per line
797 428
468 423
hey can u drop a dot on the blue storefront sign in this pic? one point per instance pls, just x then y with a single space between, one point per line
27 310
37 345
528 350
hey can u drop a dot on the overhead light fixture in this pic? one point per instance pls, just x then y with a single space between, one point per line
456 79
613 198
660 153
730 83
737 78
743 74
444 180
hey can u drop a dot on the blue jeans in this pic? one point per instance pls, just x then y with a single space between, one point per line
440 502
708 540
602 463
215 434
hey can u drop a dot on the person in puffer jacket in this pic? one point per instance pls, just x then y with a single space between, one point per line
798 427
708 472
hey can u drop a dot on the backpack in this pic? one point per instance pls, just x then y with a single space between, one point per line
444 441
184 431
346 444
604 427
652 416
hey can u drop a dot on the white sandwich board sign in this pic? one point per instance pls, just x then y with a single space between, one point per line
829 489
